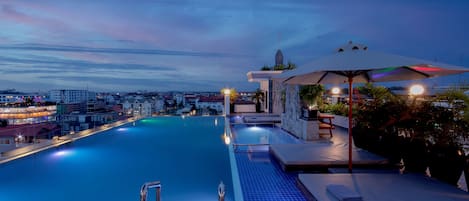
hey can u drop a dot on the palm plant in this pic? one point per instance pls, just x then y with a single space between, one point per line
258 98
290 66
279 67
265 68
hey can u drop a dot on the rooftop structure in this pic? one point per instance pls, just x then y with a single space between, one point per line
278 58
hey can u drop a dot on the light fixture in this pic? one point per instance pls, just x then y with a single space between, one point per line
227 91
335 90
416 90
227 139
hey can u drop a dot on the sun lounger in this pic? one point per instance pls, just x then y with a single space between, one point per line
343 193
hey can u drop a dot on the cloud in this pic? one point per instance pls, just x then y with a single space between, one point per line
104 83
82 66
63 48
207 44
11 13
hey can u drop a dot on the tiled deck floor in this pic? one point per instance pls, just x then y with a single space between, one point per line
262 179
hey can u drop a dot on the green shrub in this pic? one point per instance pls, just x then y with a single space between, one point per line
337 109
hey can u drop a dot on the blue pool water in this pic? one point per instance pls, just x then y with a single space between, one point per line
187 155
248 134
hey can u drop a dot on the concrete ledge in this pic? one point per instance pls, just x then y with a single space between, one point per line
26 149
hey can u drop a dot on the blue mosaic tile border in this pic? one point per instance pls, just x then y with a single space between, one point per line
262 179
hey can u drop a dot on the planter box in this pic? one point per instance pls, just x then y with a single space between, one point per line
309 114
301 128
341 121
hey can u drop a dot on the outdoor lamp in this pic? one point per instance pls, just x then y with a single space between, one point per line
335 94
335 90
416 90
226 91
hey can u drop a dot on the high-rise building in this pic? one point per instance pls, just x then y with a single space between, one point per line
278 58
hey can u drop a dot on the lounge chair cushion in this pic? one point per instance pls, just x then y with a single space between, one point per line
343 193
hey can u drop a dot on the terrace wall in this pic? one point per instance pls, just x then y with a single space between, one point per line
291 121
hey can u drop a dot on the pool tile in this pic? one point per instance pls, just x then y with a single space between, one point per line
262 179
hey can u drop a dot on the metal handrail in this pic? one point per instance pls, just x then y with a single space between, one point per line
157 185
150 185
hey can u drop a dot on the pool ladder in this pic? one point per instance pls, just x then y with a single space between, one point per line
157 186
150 185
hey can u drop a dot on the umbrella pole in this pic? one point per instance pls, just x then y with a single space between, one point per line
350 91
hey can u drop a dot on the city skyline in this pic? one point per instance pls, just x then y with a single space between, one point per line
207 45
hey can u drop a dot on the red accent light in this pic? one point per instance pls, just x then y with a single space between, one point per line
425 68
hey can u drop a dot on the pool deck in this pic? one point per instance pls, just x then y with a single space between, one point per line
47 144
403 187
324 154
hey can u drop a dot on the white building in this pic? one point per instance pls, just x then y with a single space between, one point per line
179 98
110 99
159 105
212 102
190 99
137 107
68 96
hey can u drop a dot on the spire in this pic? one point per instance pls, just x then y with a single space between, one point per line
278 58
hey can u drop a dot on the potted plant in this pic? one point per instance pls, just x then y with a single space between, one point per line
413 125
375 122
310 95
434 131
258 98
449 128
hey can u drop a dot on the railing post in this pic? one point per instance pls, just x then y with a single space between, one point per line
150 185
158 194
221 191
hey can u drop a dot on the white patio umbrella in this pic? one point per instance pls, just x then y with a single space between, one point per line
355 63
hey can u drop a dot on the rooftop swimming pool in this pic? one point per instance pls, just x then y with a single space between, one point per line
262 134
187 155
259 137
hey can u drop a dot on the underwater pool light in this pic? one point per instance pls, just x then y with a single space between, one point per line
122 129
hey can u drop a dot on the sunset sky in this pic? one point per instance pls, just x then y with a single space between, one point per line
205 45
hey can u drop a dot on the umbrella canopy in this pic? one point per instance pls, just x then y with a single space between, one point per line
367 66
355 63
